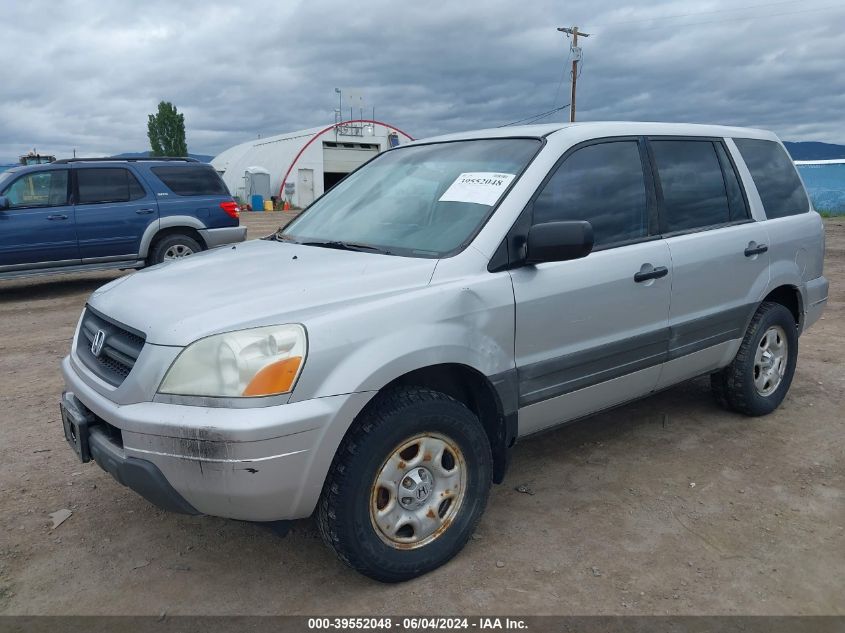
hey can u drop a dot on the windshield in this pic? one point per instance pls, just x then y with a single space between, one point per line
4 177
419 201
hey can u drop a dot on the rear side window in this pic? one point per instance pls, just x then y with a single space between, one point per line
694 193
192 181
774 175
112 184
602 184
38 189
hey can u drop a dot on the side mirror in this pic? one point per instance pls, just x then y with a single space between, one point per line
4 203
559 241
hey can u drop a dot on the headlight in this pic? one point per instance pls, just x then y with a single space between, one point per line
263 361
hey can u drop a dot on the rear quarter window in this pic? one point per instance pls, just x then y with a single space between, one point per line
195 180
775 177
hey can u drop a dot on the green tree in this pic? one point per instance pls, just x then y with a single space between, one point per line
166 130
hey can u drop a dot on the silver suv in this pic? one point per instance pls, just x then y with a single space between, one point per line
376 360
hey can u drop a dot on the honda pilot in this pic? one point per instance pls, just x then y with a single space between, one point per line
375 361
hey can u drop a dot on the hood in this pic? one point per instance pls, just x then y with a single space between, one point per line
261 282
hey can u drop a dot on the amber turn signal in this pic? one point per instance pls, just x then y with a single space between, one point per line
275 378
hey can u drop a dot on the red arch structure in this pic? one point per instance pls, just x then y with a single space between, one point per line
329 129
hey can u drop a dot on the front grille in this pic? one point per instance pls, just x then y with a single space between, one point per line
121 347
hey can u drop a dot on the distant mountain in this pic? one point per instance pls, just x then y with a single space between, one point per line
813 150
204 158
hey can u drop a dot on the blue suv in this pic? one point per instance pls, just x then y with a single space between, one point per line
88 214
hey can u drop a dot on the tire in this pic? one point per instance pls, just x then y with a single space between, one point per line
173 244
742 386
365 523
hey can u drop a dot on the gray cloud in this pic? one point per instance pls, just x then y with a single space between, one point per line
85 74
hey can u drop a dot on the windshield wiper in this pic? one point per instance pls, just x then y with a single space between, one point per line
347 246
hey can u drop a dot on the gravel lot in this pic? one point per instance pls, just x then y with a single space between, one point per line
668 505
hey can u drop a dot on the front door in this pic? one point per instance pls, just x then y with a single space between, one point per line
592 333
113 210
37 230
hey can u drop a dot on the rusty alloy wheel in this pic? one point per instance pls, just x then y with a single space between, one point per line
407 486
418 491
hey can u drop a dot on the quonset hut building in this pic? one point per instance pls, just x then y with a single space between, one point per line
300 166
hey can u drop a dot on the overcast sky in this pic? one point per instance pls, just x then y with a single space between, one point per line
85 74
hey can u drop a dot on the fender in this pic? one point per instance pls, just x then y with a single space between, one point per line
166 223
358 352
314 475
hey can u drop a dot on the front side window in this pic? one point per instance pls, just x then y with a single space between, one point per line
694 194
39 189
99 185
775 176
418 200
603 184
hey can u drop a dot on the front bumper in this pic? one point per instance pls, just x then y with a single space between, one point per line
255 464
94 440
225 235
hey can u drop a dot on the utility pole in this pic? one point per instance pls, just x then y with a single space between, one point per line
576 57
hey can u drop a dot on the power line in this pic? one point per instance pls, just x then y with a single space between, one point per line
559 84
535 117
750 17
697 13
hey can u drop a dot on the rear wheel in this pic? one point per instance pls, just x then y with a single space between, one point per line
757 380
173 246
408 485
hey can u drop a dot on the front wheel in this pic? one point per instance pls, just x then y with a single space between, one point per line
757 380
408 485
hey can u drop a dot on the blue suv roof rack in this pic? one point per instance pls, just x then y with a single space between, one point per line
64 161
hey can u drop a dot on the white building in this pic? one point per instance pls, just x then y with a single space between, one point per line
302 165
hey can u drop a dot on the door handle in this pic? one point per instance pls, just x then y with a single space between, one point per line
755 249
144 211
57 216
656 273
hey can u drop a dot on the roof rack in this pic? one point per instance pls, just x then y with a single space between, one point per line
135 159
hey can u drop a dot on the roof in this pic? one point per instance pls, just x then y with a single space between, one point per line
604 128
227 156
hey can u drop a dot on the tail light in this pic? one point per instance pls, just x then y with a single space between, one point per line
231 208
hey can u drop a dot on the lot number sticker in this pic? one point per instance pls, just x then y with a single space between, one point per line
480 187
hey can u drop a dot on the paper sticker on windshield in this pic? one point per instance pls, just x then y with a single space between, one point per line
480 187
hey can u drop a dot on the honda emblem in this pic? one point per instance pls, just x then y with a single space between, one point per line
97 343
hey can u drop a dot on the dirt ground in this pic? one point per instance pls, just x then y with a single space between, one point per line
669 505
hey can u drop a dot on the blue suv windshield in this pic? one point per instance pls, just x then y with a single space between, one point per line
418 201
4 177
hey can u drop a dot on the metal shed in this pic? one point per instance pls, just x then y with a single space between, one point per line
302 165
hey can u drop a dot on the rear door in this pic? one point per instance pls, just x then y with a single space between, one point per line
592 333
720 261
796 239
38 228
113 209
